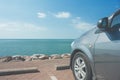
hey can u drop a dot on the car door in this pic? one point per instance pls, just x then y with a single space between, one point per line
107 52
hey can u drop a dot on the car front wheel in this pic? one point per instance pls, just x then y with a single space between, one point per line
80 67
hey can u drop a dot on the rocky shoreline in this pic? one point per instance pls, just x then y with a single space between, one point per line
16 58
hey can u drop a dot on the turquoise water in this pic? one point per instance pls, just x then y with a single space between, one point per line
9 47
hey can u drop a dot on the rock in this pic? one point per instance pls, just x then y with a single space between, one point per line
55 56
35 56
39 57
66 55
6 59
43 57
18 58
28 58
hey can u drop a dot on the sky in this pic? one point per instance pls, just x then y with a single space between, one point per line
51 19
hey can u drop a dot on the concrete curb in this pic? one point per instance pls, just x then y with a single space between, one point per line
4 72
64 67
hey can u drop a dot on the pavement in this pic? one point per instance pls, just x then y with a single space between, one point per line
47 70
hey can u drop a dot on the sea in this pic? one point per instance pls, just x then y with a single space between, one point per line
10 47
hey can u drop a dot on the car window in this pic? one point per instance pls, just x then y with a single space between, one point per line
115 28
116 21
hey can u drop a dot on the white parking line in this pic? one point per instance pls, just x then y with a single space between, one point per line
53 78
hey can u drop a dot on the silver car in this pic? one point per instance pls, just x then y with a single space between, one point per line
96 54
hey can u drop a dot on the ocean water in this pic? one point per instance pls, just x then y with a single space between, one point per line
10 47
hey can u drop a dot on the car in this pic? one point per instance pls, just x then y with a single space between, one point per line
96 54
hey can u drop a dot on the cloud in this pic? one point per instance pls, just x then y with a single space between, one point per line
62 15
82 25
16 26
20 30
41 15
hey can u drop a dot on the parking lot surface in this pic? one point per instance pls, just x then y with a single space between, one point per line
47 70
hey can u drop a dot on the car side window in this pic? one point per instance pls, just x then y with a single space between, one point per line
116 21
115 28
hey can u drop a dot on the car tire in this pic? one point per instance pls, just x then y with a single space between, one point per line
81 67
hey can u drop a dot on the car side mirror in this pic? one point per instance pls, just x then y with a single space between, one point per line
103 23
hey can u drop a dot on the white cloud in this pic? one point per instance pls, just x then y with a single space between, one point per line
20 30
15 26
62 15
82 25
41 15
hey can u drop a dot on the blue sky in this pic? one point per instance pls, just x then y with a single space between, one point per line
51 19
